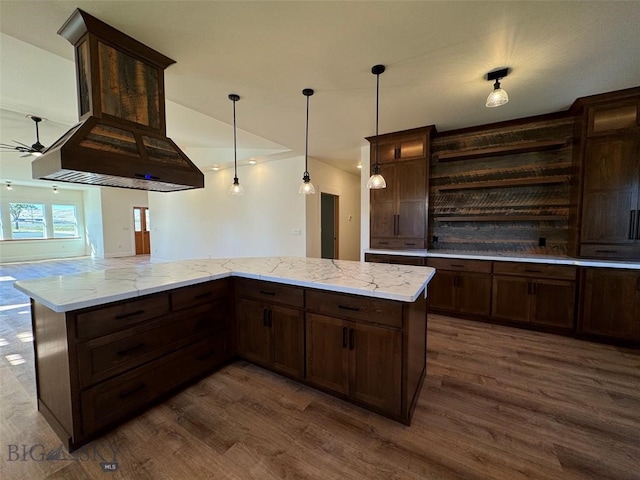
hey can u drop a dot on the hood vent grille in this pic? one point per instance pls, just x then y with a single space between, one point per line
121 138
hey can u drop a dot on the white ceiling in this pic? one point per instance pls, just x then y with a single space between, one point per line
436 53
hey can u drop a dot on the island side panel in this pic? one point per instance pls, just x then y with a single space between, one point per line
52 369
415 316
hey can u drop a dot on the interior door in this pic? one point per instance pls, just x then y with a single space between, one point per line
141 230
329 225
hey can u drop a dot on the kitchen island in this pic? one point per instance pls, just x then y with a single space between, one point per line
109 344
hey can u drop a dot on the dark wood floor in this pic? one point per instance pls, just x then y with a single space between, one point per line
498 403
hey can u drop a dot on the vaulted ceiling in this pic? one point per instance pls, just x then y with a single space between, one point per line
436 53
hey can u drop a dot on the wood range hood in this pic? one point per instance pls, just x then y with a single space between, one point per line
121 139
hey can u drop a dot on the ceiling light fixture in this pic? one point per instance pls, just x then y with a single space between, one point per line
236 188
498 96
376 180
306 187
215 168
55 189
9 187
359 166
252 161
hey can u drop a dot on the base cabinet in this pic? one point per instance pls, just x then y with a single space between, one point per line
361 361
270 334
543 295
460 286
610 303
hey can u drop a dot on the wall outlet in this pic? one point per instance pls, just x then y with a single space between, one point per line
542 242
296 231
435 239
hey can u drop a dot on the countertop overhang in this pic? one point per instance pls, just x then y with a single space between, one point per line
65 293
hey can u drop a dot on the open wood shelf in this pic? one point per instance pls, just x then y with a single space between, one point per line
499 218
537 146
505 183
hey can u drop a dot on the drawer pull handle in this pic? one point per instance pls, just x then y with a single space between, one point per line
457 265
204 356
347 307
409 244
344 336
352 339
532 271
606 251
632 224
130 350
383 243
136 389
130 314
202 295
264 292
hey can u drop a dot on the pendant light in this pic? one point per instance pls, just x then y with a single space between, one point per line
236 188
306 187
376 180
498 96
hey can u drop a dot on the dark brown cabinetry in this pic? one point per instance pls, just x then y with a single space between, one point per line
544 295
460 286
96 366
271 333
610 303
398 216
394 259
610 220
359 347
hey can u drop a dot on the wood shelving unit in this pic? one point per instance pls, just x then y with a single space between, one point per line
537 146
505 183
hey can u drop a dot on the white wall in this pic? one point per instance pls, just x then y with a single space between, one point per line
364 201
25 250
117 219
346 186
94 234
209 223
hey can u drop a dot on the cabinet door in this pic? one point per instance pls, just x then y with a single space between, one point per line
287 340
612 173
611 303
412 148
511 298
376 366
327 353
412 194
384 205
254 335
440 293
553 303
473 293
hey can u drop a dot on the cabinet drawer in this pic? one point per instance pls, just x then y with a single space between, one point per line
394 259
115 399
106 356
479 266
566 272
101 321
614 252
270 292
200 293
399 244
366 309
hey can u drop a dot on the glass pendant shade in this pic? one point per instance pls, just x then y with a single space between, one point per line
376 181
497 97
306 187
236 188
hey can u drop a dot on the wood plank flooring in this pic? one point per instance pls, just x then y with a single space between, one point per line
498 403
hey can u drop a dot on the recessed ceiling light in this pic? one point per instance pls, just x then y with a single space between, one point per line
215 168
252 161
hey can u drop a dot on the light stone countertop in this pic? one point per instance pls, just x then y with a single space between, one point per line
548 259
64 293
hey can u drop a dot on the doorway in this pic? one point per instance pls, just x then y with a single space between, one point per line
329 225
141 230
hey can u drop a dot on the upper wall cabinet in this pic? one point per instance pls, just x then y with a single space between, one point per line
610 166
399 212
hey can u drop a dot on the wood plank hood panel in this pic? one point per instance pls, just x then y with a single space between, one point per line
121 138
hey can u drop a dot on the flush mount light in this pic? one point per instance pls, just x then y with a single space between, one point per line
215 168
498 96
252 161
359 166
236 188
306 187
376 180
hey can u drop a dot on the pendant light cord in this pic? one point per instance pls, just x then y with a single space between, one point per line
377 102
306 141
235 149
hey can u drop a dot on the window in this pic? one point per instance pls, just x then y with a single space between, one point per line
65 223
27 220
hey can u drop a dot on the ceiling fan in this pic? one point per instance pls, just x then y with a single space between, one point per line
36 149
